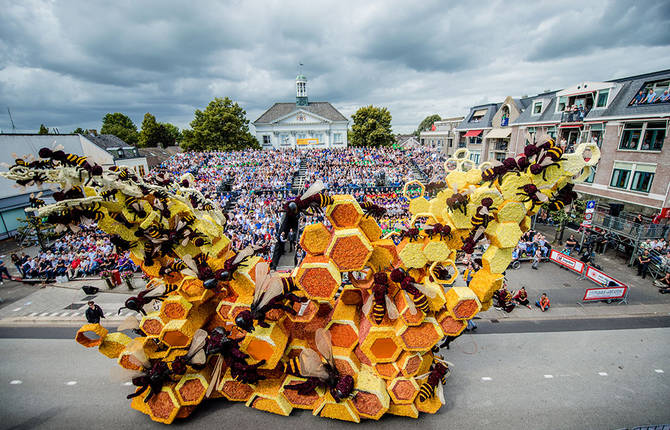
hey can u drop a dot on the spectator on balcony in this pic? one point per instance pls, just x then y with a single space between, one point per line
638 98
664 98
564 143
651 96
571 243
636 224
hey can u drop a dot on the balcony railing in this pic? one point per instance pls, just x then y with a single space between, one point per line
462 144
627 227
574 116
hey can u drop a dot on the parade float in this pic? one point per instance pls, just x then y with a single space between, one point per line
352 333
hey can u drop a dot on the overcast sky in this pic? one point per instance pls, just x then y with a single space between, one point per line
66 64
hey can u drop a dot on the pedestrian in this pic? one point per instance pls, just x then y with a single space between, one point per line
93 313
643 263
543 303
536 259
3 272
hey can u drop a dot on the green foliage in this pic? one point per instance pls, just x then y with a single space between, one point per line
155 133
121 126
173 132
427 123
372 127
43 129
222 126
78 130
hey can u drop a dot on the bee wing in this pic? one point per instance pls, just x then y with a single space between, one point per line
199 358
315 188
188 260
542 196
40 194
136 351
324 344
271 290
129 323
244 253
391 309
262 269
478 233
426 292
311 365
156 292
367 305
119 374
440 393
197 343
410 303
420 377
216 374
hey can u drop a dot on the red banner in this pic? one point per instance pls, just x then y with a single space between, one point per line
566 261
610 293
599 277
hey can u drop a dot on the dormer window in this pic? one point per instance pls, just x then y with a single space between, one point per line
537 108
602 98
478 115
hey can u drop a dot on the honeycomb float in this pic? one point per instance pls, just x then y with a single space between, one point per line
192 344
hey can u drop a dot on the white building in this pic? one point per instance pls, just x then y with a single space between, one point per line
302 124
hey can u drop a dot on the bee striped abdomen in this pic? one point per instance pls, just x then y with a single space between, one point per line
325 200
378 312
292 366
421 302
425 392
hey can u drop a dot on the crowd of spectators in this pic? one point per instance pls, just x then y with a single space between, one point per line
87 252
532 245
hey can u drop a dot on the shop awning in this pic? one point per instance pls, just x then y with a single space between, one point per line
571 126
473 133
499 133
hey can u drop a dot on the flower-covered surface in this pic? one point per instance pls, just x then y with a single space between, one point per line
375 311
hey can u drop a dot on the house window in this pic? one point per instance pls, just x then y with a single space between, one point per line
652 92
284 139
478 115
475 140
591 176
337 137
475 155
642 136
621 175
562 101
631 135
537 108
602 98
638 175
266 140
654 135
551 132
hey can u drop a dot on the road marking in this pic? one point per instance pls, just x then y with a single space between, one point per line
71 383
32 314
548 376
53 314
602 373
16 382
659 371
486 378
44 314
16 310
64 314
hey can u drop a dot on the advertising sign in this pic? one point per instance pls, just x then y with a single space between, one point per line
610 293
600 278
566 261
308 141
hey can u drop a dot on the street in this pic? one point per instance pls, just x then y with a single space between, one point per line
599 379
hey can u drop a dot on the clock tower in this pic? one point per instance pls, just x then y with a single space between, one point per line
301 91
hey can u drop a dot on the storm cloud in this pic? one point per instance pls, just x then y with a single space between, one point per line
67 63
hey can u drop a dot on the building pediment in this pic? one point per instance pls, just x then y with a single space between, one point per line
301 116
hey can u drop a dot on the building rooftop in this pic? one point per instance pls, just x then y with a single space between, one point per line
279 110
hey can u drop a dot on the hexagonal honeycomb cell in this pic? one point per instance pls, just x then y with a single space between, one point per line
163 406
419 205
343 335
421 337
193 290
370 227
318 277
409 314
328 407
384 254
298 400
234 390
304 311
404 410
496 260
379 343
362 278
511 211
175 308
315 239
506 235
90 335
351 295
387 370
409 363
436 250
152 324
191 388
113 344
344 212
265 344
462 302
450 326
403 390
411 253
346 362
349 249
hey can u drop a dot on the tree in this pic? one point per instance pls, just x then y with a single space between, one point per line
78 130
372 127
174 133
221 126
574 213
43 129
427 123
120 126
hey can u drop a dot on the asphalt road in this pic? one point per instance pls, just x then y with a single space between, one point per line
597 379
